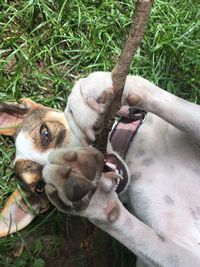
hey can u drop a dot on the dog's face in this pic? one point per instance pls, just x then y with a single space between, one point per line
37 131
42 131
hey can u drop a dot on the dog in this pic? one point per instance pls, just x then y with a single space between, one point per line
162 224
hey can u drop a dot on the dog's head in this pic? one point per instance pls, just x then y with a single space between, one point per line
37 131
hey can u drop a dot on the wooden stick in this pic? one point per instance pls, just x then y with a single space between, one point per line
121 70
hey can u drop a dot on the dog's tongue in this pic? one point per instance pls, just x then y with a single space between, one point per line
113 163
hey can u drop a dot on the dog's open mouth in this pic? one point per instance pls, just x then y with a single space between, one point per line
113 163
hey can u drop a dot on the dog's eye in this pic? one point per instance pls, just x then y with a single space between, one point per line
45 135
39 187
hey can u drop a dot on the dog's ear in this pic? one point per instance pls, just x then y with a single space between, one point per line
13 114
11 117
19 210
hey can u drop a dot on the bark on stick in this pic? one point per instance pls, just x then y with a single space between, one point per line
121 70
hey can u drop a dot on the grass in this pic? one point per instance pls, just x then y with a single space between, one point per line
46 45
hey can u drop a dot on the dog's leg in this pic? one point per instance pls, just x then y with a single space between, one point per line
107 212
182 114
139 92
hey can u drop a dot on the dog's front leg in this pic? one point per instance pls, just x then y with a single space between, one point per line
108 213
182 114
153 249
84 108
71 177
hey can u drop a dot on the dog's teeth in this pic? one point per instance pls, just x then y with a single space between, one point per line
112 166
120 177
118 181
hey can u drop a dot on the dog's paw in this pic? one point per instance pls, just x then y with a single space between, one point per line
104 207
87 103
72 177
76 184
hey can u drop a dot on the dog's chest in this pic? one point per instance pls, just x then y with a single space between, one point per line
165 184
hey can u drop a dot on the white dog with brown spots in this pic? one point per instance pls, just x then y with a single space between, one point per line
162 226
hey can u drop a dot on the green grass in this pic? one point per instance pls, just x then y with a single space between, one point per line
46 45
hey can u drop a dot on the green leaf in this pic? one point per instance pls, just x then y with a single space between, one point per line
38 263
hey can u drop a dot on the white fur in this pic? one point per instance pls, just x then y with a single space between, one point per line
25 149
164 192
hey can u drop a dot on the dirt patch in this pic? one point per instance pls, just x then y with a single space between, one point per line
82 245
76 243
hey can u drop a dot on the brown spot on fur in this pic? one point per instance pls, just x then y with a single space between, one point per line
140 152
113 212
60 137
136 176
28 172
168 200
148 161
194 214
27 166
